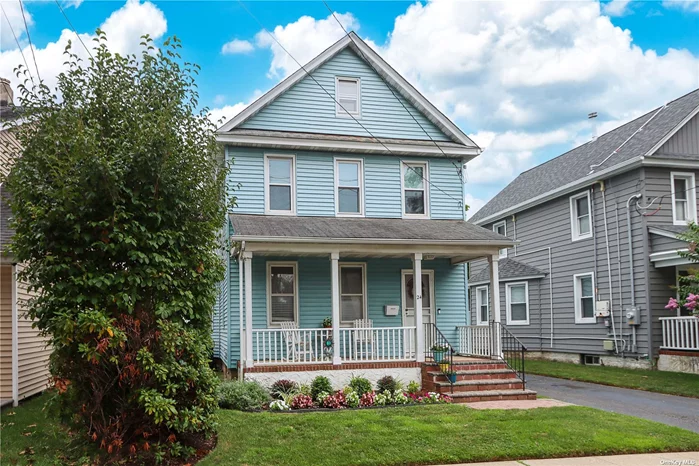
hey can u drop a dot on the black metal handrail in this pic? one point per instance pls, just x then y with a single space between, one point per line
434 340
511 351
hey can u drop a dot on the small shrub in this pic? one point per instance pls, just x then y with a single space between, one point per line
320 384
242 395
278 405
301 401
360 385
352 399
387 383
283 387
413 388
368 399
304 389
336 401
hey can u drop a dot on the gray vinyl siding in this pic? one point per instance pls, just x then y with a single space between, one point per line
659 243
549 225
657 184
685 141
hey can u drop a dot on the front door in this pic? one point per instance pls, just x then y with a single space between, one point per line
408 298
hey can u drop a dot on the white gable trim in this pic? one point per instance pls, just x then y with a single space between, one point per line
666 234
380 66
673 131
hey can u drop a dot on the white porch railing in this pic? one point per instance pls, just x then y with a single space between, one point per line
377 344
680 333
474 340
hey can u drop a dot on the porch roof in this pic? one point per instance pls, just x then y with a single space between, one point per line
362 230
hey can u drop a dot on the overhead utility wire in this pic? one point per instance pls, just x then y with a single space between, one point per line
18 44
29 38
338 103
390 88
660 204
71 26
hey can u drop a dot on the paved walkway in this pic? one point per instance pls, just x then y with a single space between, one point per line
654 459
518 404
672 410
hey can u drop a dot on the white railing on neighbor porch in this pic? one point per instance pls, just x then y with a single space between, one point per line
680 333
377 344
474 340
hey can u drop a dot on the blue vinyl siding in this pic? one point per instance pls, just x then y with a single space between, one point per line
307 108
234 314
315 184
383 288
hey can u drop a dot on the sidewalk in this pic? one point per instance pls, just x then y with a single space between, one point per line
652 459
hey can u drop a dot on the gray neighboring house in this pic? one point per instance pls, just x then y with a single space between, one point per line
596 256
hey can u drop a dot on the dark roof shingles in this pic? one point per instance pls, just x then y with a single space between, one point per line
507 268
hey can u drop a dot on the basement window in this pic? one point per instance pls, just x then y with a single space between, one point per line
590 360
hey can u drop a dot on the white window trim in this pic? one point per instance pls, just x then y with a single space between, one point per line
269 211
271 264
339 112
691 197
479 303
577 294
360 162
574 233
503 252
426 187
508 300
341 265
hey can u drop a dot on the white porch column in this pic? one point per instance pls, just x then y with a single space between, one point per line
247 263
335 291
417 287
495 301
241 312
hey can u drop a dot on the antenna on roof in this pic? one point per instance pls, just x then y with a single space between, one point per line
591 116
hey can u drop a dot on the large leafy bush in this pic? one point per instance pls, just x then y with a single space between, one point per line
242 395
118 200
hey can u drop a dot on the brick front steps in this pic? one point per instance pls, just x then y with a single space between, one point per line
476 380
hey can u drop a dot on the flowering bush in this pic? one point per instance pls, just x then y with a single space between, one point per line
383 398
368 399
400 398
336 401
352 397
279 405
413 388
301 401
320 398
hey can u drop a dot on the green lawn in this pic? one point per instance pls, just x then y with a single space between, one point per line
673 383
411 435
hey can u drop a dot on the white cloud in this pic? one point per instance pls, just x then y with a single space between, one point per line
124 28
689 5
223 114
237 46
474 204
73 3
616 7
13 15
304 39
219 99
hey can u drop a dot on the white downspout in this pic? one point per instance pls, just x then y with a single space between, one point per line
609 264
631 277
15 339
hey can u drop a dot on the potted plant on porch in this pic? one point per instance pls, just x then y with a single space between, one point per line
327 322
438 352
451 375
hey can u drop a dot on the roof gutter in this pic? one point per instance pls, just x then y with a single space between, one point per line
404 241
565 189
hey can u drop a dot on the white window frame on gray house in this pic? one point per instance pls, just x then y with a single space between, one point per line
271 322
578 296
341 185
684 201
404 167
269 183
344 99
496 229
353 265
575 217
480 304
510 303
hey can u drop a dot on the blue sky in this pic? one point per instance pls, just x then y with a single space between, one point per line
517 76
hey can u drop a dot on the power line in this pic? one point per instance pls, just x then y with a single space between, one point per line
29 38
17 42
71 26
338 103
390 88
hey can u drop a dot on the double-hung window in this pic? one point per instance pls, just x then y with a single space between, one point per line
584 293
347 95
348 183
482 309
684 205
279 182
517 295
580 216
282 292
501 229
352 292
415 192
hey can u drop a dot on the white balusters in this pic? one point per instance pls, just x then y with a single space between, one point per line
680 333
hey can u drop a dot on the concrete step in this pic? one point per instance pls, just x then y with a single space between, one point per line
475 374
479 385
468 366
492 395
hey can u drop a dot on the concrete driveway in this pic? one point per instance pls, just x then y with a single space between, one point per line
669 409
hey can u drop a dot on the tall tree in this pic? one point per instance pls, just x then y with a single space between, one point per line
118 199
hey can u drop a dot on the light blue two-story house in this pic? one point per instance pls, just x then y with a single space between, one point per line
349 198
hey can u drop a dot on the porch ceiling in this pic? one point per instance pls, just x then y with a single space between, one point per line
365 237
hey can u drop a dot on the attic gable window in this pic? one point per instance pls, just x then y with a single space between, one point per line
347 95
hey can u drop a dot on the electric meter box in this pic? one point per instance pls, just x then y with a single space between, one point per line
633 316
390 310
602 309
